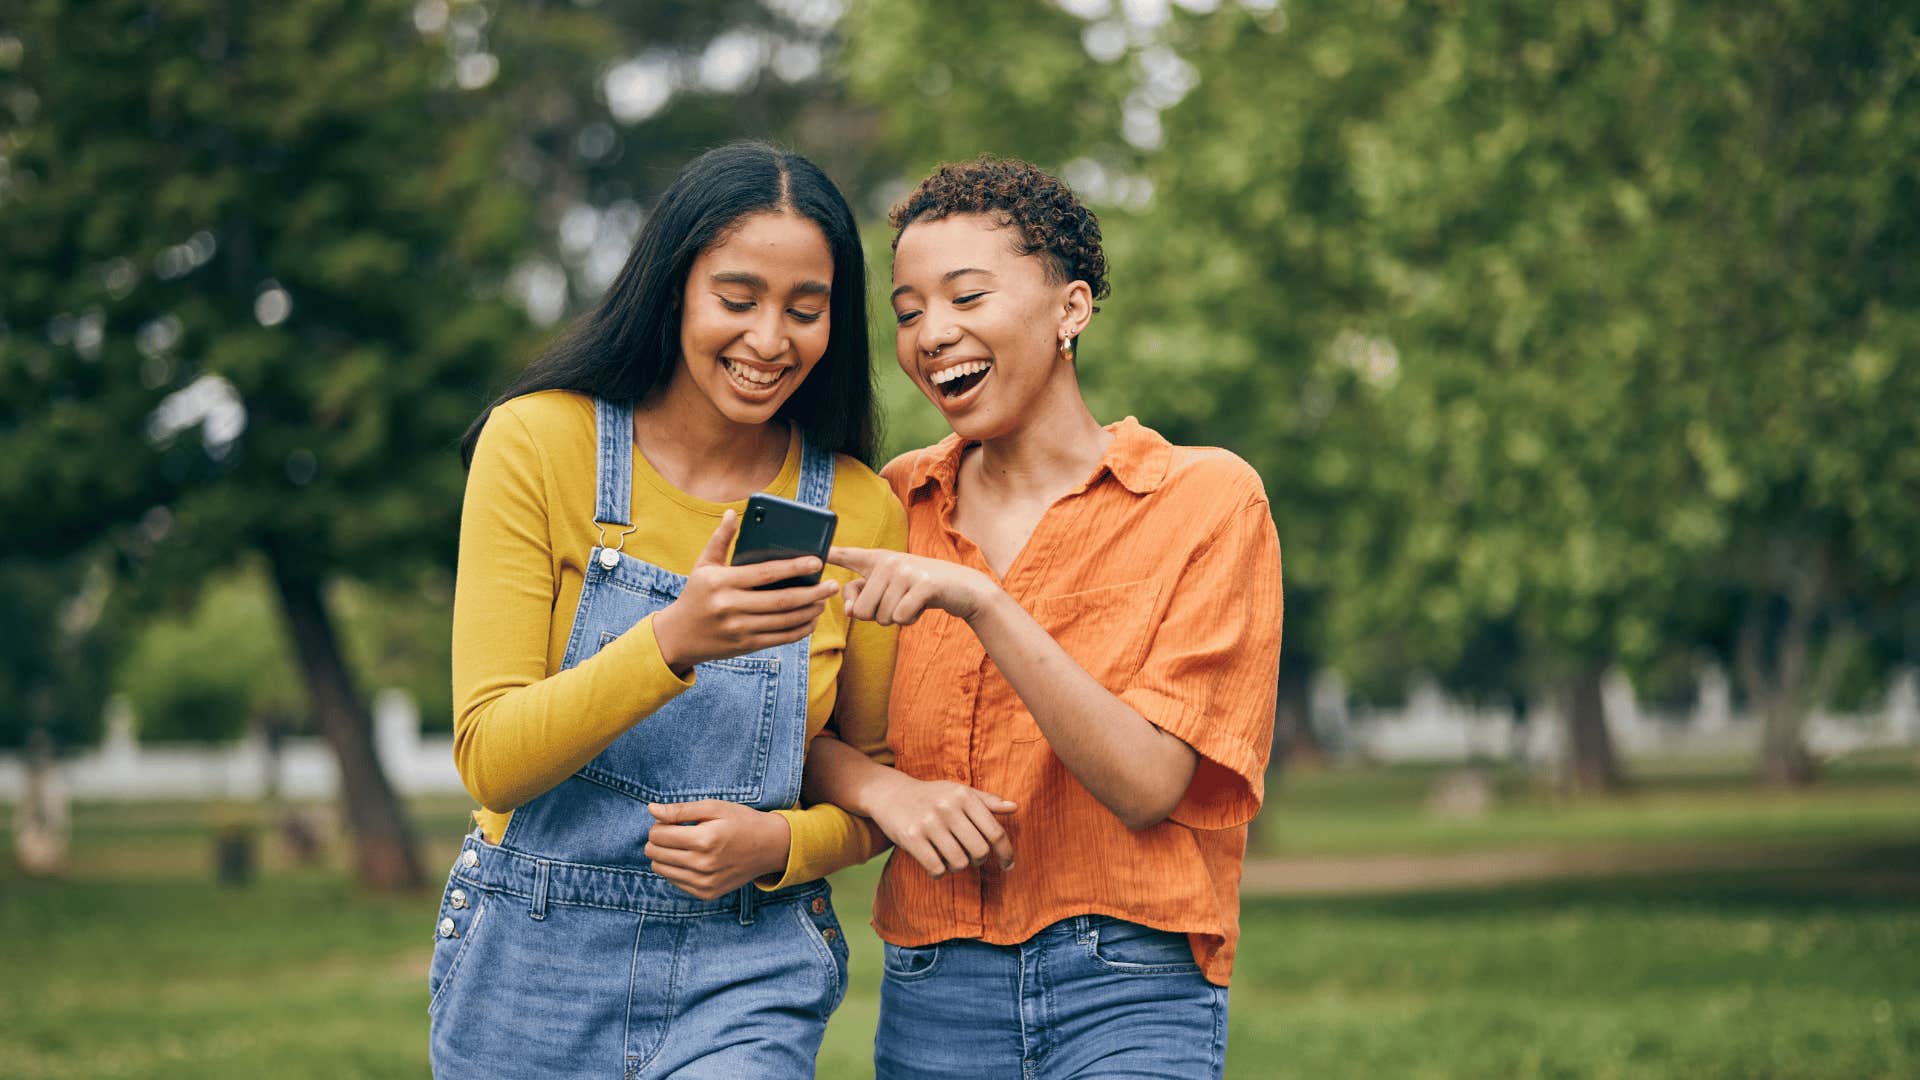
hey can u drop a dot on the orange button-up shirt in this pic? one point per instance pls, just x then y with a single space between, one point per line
1160 575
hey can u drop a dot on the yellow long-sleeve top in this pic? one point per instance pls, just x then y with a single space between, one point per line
522 725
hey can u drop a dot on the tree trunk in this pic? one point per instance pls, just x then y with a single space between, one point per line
1780 700
1295 744
1591 764
384 854
43 820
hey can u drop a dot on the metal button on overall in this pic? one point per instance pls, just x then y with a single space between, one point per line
459 898
469 858
829 933
446 927
819 905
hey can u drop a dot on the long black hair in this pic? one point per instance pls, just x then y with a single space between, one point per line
627 346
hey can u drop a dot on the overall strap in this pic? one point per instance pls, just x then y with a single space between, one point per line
614 469
816 475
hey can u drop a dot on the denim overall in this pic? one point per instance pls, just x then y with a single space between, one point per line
559 953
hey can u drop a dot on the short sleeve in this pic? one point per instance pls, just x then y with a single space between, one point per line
1210 674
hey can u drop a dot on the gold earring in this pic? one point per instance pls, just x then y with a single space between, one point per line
1066 345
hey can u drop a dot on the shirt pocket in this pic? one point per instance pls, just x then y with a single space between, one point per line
1105 630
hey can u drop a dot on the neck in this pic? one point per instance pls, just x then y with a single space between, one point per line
1056 444
698 450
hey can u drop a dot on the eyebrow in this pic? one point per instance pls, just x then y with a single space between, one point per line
946 277
756 282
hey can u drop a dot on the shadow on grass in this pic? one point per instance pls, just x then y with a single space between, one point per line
1883 878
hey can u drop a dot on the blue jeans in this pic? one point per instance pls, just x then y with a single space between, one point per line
1091 996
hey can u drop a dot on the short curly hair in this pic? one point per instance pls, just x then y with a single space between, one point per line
1050 219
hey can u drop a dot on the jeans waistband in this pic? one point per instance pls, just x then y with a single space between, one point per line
543 881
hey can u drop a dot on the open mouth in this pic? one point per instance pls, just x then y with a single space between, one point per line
752 381
960 380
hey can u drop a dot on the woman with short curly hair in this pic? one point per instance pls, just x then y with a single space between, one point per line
1085 677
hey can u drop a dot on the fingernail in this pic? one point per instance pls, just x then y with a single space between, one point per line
1006 866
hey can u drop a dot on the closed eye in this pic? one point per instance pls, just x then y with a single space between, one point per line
902 318
968 298
736 305
806 316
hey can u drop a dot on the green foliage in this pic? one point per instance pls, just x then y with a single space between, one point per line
402 640
207 673
1561 334
57 638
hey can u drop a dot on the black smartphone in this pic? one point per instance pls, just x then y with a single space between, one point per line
776 528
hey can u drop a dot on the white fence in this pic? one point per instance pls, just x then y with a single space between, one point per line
1430 727
122 768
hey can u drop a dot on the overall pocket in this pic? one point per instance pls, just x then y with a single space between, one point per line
711 742
823 927
462 911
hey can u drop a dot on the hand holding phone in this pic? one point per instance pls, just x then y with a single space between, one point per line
733 610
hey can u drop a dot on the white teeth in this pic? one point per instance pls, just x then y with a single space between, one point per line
749 375
942 378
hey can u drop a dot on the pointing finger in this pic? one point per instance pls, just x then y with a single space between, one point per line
859 560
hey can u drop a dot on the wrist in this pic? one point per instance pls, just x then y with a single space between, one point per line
776 846
666 637
888 785
987 600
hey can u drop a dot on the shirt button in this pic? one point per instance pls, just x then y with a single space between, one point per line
446 927
459 898
819 905
829 933
469 858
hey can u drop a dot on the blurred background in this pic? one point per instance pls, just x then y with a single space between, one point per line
1578 344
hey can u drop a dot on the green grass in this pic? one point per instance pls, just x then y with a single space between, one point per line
1381 811
138 966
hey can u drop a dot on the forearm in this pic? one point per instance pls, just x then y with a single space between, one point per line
824 839
515 739
1134 769
839 774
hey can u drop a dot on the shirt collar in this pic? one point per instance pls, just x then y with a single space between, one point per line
1138 457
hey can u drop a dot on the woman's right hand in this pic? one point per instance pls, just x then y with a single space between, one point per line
943 825
721 613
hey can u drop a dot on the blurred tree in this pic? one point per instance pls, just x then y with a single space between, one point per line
209 672
1482 292
1792 291
267 249
56 642
264 265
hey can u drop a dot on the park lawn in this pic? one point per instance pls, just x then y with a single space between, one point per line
1861 801
139 966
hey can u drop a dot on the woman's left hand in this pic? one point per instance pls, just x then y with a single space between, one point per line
895 588
709 848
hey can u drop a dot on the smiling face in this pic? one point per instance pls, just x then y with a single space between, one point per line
979 325
754 318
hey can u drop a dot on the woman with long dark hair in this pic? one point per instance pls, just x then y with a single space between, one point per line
642 895
1092 630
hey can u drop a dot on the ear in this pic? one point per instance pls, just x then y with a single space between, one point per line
1076 308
